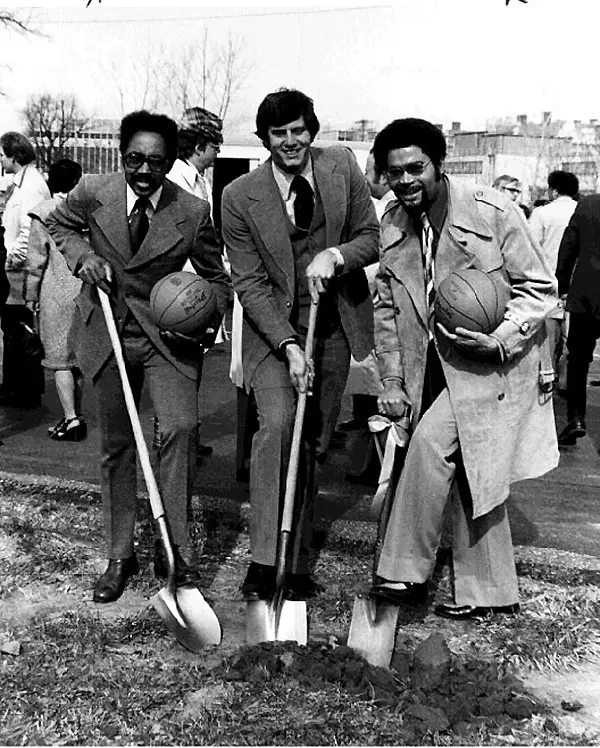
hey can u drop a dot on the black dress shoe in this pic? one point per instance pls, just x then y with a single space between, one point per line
204 450
111 584
301 587
400 593
259 583
184 574
473 612
574 430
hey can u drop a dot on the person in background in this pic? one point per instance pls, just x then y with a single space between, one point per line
510 186
480 417
141 227
363 379
578 273
300 227
364 384
199 140
22 378
49 291
548 224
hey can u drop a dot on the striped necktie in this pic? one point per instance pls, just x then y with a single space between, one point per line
428 265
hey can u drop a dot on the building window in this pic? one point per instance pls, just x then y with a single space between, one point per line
463 167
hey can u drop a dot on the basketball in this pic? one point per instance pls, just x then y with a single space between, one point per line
183 302
470 299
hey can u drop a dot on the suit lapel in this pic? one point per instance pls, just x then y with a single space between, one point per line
332 190
456 249
401 256
111 216
267 212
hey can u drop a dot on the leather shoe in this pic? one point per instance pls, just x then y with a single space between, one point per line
474 612
184 575
401 593
204 450
259 583
574 430
111 584
301 587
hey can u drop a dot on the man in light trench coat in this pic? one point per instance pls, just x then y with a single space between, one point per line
481 415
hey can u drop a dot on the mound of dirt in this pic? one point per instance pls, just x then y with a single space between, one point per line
434 692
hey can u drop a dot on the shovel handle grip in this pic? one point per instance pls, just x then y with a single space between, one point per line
158 510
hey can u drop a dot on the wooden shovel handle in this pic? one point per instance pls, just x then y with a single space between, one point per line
292 473
156 503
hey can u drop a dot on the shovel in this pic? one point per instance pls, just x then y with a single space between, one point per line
278 619
184 610
373 625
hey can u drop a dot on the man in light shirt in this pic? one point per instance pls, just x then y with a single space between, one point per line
200 138
548 224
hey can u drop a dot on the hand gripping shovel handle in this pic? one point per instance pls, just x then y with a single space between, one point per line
158 511
292 473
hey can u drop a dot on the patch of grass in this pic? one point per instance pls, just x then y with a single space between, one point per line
102 676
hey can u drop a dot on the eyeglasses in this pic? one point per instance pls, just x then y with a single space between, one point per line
135 160
514 190
394 173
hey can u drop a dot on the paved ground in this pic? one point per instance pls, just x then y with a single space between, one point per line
560 510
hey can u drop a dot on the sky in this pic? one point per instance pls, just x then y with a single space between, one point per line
444 60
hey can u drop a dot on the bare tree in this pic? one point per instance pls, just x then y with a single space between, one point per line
17 20
52 120
197 73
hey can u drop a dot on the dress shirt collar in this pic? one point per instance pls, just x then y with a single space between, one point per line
284 181
132 198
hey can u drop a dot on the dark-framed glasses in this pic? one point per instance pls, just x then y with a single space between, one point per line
394 173
135 160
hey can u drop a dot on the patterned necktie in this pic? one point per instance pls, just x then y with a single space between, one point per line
428 265
138 223
304 202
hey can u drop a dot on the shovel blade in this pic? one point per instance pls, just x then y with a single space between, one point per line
188 617
267 621
373 630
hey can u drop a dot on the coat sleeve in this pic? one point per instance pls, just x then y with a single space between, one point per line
250 278
387 343
207 259
68 224
37 259
532 282
568 251
362 245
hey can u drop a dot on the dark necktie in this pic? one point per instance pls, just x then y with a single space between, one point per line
428 265
304 203
138 223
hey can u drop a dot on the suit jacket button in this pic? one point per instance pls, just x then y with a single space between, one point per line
396 310
288 303
501 396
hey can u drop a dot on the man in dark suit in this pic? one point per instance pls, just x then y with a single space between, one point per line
578 276
299 226
141 227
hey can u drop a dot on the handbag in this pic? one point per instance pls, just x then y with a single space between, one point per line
33 347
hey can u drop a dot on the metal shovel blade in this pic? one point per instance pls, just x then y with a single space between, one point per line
188 617
270 621
373 630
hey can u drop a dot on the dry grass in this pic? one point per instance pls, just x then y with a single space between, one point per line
89 676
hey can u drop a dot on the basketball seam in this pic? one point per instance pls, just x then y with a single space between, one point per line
476 297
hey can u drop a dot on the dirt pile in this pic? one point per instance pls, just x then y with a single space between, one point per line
433 691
